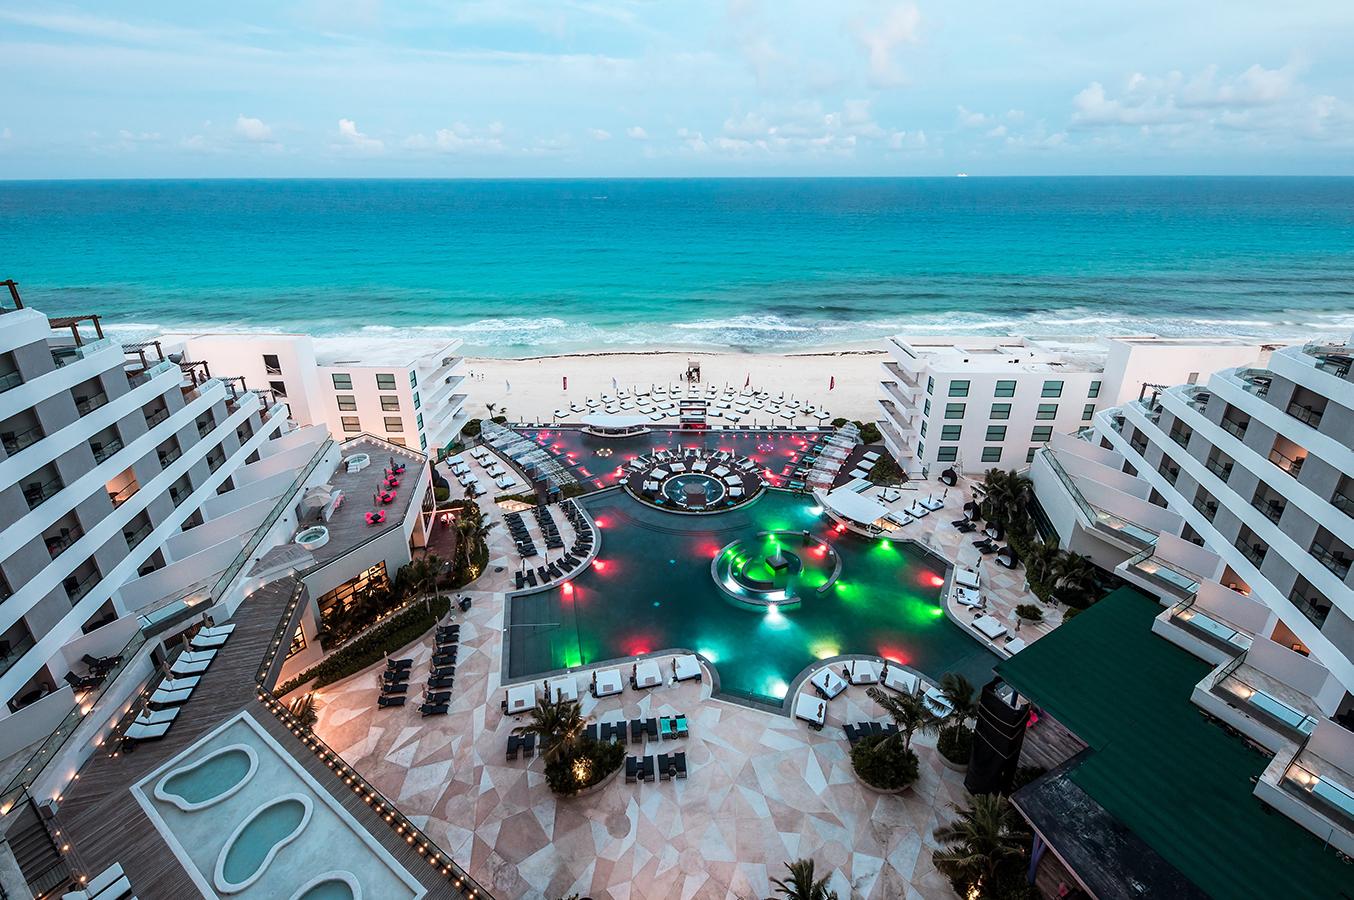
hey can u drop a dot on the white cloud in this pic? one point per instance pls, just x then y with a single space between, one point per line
599 134
252 129
637 133
351 137
882 40
6 134
461 138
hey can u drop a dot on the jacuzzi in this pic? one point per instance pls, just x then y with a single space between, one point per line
314 537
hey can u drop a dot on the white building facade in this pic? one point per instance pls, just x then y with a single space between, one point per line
980 403
414 397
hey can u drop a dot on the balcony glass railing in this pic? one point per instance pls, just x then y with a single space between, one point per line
157 417
1177 579
1270 508
1189 617
77 588
168 457
1291 465
106 449
120 497
1218 468
1305 414
1332 559
14 651
1253 552
58 544
1341 501
137 536
16 441
1303 777
89 404
9 381
1181 437
1246 696
38 493
1314 608
1234 428
1209 509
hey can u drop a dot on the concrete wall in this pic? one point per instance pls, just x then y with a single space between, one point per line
1131 364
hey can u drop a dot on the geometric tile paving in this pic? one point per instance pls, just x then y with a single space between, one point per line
763 789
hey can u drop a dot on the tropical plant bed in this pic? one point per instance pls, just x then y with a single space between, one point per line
592 764
890 769
597 786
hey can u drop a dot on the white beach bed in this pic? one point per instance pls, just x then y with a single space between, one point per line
828 682
647 674
686 667
565 687
990 627
899 679
863 671
966 578
607 682
810 709
521 697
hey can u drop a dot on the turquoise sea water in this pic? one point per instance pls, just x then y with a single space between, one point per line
521 268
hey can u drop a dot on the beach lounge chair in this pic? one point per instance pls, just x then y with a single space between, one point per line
679 763
665 767
162 697
210 642
213 630
391 688
157 717
139 732
441 681
83 682
110 884
387 700
432 709
395 676
437 697
178 684
189 667
647 769
631 769
399 665
591 731
99 664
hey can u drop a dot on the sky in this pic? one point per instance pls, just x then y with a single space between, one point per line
642 88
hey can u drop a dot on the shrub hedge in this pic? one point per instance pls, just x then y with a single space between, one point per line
606 757
888 768
401 630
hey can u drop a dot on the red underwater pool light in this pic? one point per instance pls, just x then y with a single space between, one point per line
599 565
936 580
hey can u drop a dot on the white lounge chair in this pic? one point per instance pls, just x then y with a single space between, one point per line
162 697
932 503
188 667
217 629
209 642
157 717
138 732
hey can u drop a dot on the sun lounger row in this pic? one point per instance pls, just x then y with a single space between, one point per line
665 765
549 530
517 528
110 884
862 729
660 728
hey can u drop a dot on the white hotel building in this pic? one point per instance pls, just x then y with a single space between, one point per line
980 403
1232 501
125 489
412 395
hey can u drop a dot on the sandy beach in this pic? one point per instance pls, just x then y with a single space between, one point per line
532 389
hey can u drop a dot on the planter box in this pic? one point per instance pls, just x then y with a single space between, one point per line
878 790
594 788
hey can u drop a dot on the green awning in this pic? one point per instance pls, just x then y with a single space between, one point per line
1170 775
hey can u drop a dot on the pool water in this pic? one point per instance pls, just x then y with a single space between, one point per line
655 592
210 778
274 825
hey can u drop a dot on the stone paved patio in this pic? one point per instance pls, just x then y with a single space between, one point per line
763 789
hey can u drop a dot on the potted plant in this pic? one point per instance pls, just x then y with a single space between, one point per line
954 740
573 763
1028 612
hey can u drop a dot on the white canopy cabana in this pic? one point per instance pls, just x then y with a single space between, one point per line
615 421
849 504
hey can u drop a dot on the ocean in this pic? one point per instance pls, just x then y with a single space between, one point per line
526 268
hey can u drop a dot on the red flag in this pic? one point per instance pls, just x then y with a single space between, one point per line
566 382
749 380
832 383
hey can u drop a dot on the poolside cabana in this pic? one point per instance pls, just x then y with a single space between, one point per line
562 688
848 503
828 682
615 424
686 667
521 698
607 683
646 674
811 709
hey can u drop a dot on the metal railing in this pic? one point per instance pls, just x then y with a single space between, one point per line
1336 562
136 537
76 592
13 443
157 417
1305 414
1287 463
1209 510
89 404
40 492
1207 627
1220 469
106 449
1234 428
10 380
1253 552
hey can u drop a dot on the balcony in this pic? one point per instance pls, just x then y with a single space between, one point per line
137 535
1208 508
1270 507
1310 603
11 651
14 441
1209 628
1265 698
1234 428
167 457
155 418
78 586
102 451
1255 381
87 405
9 381
1219 468
1334 359
1175 579
61 541
1181 435
1341 501
1291 465
1334 559
205 428
124 494
39 492
1252 550
1306 414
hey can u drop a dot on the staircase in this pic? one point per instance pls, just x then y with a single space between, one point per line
43 866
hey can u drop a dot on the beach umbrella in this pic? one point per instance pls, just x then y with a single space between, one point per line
832 383
566 382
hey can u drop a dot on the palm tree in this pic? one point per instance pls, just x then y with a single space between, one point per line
959 693
908 712
559 725
1074 576
1008 496
801 885
985 837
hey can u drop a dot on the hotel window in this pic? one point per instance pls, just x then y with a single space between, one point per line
1052 389
417 402
1047 411
420 421
1004 389
413 378
1041 434
346 594
1029 455
947 454
958 388
1001 411
279 388
385 382
954 410
930 385
926 408
921 450
923 428
390 403
298 642
422 442
1087 412
1094 390
394 423
271 364
342 382
351 424
996 433
347 403
395 439
991 454
950 432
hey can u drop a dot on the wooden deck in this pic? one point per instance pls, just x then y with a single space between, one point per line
105 824
1049 744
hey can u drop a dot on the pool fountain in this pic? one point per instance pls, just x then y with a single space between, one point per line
775 571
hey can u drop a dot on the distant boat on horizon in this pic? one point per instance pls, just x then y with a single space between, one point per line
960 174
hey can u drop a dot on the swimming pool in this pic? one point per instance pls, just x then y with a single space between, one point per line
655 590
